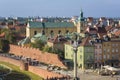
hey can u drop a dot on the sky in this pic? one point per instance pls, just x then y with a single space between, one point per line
67 8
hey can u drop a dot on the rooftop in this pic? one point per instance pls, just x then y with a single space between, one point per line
50 24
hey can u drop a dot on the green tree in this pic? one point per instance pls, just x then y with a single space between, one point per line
10 35
46 48
38 44
4 45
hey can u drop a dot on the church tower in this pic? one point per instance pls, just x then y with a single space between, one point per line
81 23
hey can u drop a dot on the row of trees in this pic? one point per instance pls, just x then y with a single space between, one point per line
4 45
10 35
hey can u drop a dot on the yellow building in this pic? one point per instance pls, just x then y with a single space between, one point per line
111 52
49 28
55 28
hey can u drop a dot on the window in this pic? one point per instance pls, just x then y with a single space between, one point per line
66 47
116 44
113 50
59 32
35 32
88 49
80 56
66 54
80 66
104 50
100 47
72 55
100 51
108 50
104 56
113 45
96 47
116 50
67 31
80 50
100 57
43 32
96 52
108 56
51 33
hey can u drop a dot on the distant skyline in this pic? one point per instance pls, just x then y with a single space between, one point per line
67 8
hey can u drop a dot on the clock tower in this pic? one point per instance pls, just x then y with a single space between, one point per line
81 23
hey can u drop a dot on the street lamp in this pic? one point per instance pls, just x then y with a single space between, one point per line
75 44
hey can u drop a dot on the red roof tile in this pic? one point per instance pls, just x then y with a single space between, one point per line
2 35
85 41
108 28
117 33
101 30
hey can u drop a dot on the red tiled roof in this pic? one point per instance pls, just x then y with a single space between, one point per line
85 41
2 35
100 35
92 31
117 33
108 28
101 30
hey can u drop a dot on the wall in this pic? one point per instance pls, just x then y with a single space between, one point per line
12 61
33 53
34 69
44 73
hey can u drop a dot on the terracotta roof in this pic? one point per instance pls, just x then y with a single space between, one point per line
108 28
100 35
91 30
101 30
2 35
90 19
117 33
85 42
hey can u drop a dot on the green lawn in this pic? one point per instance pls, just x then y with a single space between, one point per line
27 73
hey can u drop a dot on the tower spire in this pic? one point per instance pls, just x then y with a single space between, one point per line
81 13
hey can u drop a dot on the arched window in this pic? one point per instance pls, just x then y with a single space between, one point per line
35 32
67 31
59 32
51 33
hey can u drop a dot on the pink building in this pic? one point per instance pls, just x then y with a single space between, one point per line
98 53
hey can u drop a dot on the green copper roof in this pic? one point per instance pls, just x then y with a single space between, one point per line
39 36
50 24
